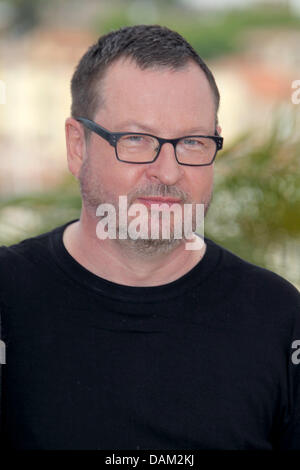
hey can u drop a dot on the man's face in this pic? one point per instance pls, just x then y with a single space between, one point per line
162 102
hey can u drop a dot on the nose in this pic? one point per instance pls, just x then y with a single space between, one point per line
165 167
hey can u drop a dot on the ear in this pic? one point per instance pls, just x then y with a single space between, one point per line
75 142
219 130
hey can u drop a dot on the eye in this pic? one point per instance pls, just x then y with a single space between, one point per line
134 138
192 142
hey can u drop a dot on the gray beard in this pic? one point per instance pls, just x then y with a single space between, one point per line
139 246
151 246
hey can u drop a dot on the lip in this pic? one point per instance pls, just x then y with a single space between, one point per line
158 200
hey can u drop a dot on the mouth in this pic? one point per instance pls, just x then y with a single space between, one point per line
148 201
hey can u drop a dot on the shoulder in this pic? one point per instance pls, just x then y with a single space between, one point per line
16 263
23 263
30 249
254 284
21 251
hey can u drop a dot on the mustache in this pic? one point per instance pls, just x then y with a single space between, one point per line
162 190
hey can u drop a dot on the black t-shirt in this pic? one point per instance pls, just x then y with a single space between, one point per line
203 362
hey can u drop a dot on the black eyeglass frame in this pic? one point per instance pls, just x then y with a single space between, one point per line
113 137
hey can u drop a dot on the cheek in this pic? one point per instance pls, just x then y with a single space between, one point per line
201 182
116 177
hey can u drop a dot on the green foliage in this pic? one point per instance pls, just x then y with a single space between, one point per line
36 213
211 34
26 14
256 203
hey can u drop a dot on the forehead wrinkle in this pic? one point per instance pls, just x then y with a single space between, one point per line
132 126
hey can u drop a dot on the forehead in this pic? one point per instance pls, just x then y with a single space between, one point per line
157 95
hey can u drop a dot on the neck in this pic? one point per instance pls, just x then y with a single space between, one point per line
123 264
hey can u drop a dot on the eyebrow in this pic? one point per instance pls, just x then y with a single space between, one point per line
144 128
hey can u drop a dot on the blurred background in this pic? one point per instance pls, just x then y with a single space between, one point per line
253 49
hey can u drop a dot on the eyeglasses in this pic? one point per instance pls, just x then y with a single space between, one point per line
137 147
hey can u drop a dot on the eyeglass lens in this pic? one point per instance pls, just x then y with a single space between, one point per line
143 148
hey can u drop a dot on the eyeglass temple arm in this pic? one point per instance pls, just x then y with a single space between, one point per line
219 140
96 128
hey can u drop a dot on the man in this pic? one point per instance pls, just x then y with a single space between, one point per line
139 343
